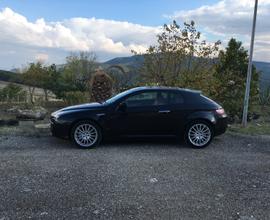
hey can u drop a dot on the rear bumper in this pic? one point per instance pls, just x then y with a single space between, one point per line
221 125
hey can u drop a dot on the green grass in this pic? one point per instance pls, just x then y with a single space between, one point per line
261 126
253 128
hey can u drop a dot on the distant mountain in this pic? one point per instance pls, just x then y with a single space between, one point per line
134 61
132 64
9 76
264 68
137 61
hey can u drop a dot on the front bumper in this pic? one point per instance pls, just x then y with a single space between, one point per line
59 129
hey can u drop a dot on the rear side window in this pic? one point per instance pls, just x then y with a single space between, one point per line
201 99
176 98
194 98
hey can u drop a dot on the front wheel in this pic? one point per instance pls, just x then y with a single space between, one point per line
199 134
86 134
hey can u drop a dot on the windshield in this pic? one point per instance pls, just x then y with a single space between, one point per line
118 96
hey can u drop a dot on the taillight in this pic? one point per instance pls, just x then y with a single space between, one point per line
220 111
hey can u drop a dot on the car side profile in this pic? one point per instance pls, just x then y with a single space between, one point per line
143 111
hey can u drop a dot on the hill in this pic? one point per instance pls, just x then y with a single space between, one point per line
133 63
264 68
137 61
9 76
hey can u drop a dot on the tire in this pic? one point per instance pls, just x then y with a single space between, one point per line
199 134
86 134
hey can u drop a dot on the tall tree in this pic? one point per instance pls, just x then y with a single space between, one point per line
178 54
79 69
51 81
33 78
231 70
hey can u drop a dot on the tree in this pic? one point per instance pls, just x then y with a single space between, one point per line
121 77
46 77
230 75
178 55
46 81
101 86
33 78
12 92
52 81
78 70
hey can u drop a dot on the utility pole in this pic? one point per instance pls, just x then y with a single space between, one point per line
249 71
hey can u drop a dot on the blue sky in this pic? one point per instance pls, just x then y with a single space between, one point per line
49 30
147 12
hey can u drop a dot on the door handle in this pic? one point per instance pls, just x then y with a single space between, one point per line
164 111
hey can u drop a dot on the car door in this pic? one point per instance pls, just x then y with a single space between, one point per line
139 116
171 114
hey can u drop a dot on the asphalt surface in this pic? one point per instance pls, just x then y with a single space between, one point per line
48 178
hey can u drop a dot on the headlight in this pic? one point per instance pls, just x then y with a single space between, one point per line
55 115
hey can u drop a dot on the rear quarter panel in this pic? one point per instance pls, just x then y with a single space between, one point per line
202 115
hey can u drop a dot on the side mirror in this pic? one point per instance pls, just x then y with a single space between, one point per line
122 107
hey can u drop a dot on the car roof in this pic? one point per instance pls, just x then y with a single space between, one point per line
162 88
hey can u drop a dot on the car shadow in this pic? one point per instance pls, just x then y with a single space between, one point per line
125 142
162 142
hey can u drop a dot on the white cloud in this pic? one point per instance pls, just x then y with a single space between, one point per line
76 33
24 41
230 18
42 57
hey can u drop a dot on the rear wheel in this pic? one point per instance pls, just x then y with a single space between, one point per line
199 134
86 134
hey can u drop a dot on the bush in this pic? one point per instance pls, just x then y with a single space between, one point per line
75 97
12 93
101 86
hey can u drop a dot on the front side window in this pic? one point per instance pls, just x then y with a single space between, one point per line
154 98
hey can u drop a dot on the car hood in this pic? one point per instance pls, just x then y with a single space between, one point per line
86 106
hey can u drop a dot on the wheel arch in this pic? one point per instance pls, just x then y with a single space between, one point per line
205 116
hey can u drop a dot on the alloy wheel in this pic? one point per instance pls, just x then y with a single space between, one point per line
199 134
85 135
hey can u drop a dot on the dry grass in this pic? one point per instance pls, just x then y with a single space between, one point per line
253 128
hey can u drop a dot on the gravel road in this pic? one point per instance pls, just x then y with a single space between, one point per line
48 178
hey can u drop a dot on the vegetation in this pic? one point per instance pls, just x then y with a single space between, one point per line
101 86
264 99
75 97
253 128
120 77
180 57
230 74
33 78
12 93
78 70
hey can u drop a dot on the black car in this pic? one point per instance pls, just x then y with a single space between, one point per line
143 111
